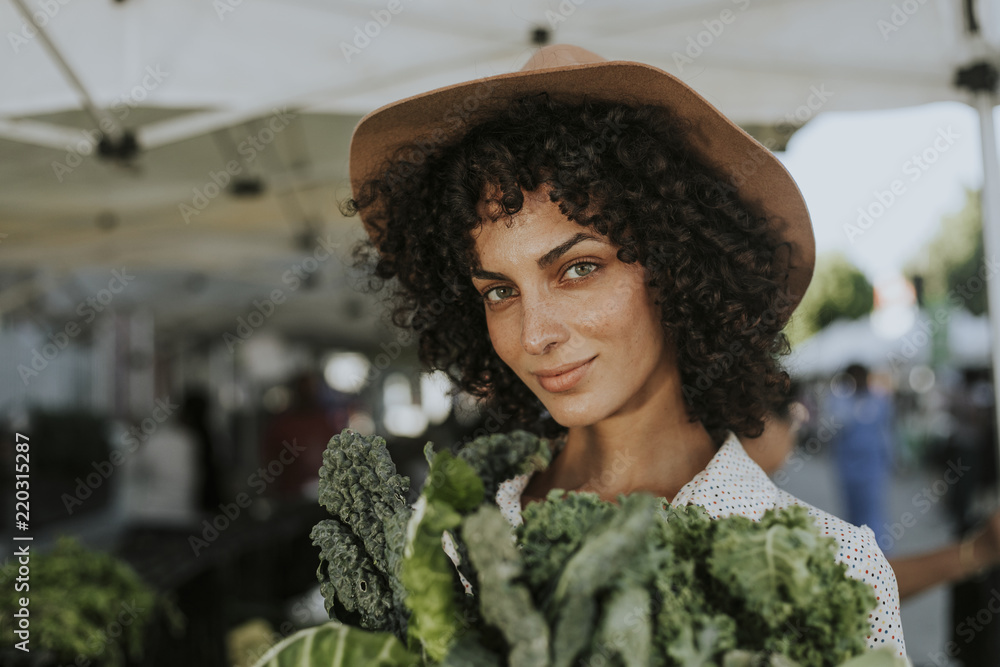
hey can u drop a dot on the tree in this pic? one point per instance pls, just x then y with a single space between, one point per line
838 291
953 260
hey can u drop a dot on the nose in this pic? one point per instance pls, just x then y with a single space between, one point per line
542 326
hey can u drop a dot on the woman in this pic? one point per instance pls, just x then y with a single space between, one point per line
601 256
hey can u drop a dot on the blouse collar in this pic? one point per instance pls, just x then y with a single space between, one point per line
731 483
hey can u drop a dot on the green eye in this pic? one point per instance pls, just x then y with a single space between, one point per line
580 270
498 294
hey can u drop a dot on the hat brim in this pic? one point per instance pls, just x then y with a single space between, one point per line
759 178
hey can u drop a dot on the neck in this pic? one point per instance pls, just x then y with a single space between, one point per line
648 448
636 459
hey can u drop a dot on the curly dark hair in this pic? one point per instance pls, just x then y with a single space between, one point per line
624 170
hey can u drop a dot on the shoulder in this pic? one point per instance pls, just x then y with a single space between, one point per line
731 483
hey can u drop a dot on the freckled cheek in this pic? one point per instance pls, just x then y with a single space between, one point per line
620 310
601 317
628 317
505 339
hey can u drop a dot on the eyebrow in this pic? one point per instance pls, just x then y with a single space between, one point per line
545 260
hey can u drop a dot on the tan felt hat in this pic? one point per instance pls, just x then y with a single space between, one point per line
570 74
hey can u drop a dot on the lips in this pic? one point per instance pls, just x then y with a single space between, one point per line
563 378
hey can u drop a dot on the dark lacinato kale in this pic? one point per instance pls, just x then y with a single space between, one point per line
359 485
361 546
353 589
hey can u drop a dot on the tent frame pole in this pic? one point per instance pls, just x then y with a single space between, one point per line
984 102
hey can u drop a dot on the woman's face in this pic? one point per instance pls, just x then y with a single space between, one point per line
576 324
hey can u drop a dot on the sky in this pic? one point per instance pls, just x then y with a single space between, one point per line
843 161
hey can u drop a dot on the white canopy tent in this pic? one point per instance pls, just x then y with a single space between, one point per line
180 90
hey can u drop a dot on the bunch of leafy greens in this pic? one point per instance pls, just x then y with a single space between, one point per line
581 581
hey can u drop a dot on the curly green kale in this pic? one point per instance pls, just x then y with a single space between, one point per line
642 582
786 574
610 552
553 531
361 547
691 610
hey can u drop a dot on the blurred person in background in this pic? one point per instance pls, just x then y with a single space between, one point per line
863 447
294 440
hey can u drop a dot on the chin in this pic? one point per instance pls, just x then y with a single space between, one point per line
581 413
